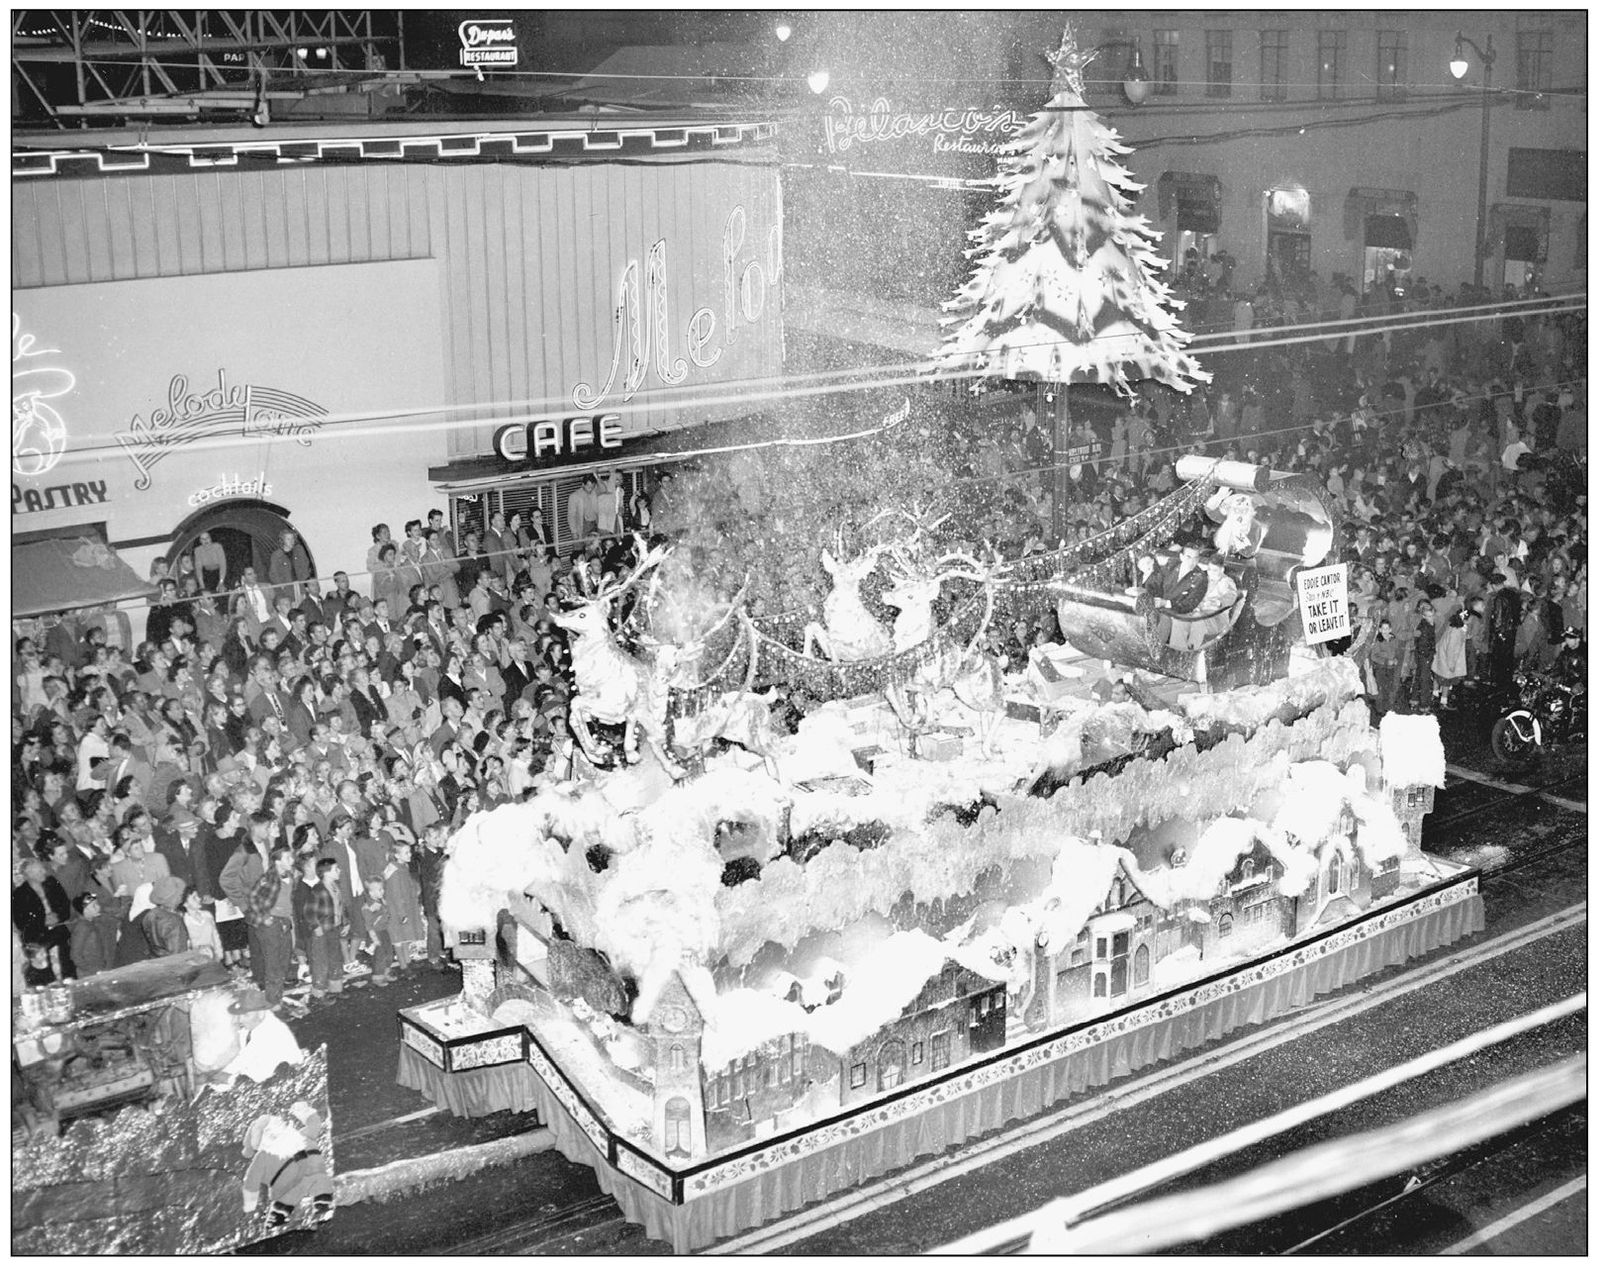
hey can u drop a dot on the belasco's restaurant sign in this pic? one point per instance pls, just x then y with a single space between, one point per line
959 130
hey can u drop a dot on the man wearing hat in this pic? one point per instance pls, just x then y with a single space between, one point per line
1503 613
1569 666
163 926
266 1043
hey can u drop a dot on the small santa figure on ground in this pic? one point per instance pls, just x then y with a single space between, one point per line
287 1161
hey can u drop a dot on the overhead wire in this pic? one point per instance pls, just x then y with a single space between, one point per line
760 390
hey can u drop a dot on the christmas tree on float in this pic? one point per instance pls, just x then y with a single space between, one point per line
1067 283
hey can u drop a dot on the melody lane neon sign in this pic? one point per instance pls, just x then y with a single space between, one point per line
640 346
188 416
38 434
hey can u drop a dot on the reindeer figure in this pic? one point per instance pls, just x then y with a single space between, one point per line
611 686
740 718
851 632
973 677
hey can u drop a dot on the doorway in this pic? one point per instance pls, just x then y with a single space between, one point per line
247 531
890 1066
1288 255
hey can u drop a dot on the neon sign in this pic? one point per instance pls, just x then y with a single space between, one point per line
954 130
643 345
38 434
231 487
558 438
188 416
487 43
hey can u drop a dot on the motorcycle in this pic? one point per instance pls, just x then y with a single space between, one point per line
1546 713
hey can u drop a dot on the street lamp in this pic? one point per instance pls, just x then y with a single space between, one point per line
1135 80
1459 68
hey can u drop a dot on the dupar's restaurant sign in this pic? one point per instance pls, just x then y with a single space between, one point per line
487 42
953 130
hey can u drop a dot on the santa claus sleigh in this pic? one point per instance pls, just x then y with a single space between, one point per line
1268 526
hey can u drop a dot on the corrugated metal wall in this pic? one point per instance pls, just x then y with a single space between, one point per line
532 255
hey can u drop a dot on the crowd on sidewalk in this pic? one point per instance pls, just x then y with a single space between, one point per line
275 772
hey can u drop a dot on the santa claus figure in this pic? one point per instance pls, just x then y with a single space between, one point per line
287 1161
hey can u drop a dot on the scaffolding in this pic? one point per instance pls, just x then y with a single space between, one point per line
76 68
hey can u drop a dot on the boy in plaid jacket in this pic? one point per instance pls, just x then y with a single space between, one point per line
318 917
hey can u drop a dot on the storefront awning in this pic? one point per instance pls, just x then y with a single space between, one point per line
1365 203
62 574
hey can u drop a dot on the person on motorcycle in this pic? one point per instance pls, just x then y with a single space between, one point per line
1569 667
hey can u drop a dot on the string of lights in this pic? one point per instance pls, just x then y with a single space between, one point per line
759 391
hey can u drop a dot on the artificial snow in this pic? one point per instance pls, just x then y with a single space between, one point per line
1411 750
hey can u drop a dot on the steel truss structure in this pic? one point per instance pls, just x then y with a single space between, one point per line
72 67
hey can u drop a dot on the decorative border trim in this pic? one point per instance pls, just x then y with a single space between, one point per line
684 1186
500 1050
571 1101
1182 1001
420 1043
546 142
640 1168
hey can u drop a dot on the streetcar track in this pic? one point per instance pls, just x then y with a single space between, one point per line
545 1227
1437 1174
1538 792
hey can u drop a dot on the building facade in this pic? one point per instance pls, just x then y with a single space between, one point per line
1337 141
322 326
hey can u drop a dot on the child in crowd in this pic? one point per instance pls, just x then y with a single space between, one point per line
38 969
318 914
378 922
202 926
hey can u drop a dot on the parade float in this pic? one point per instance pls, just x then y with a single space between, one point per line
752 967
832 890
161 1109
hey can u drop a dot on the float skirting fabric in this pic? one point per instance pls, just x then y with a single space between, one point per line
471 1093
842 1165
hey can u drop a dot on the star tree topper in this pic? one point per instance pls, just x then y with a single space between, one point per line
1067 281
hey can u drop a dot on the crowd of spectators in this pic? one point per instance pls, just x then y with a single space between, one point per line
1454 456
274 773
